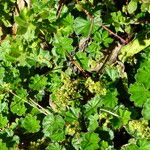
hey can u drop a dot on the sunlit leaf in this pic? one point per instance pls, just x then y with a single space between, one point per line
18 104
92 105
55 146
146 110
38 82
93 122
136 90
82 59
3 145
143 76
53 127
132 6
110 99
82 26
3 121
87 141
146 7
72 115
62 45
31 124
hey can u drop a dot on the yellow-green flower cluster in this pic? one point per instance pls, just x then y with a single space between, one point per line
36 144
95 87
65 95
72 128
139 128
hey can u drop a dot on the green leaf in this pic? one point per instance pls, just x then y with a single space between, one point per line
110 99
92 105
54 146
122 120
98 36
94 50
72 114
2 73
3 145
5 48
18 108
102 37
136 90
30 123
116 122
21 22
62 45
143 144
143 76
146 110
3 106
125 115
43 58
17 105
3 121
106 39
145 7
76 142
67 25
82 59
90 141
55 81
112 72
82 26
30 33
38 82
105 145
53 127
118 21
132 6
93 122
21 30
105 34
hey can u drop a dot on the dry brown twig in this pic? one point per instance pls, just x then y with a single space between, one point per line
114 34
60 7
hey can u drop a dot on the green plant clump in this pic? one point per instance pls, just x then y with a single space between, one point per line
74 75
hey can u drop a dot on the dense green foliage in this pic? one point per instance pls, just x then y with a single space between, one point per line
61 85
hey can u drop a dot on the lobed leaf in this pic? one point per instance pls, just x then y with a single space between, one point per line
87 141
139 94
53 127
30 123
81 26
146 110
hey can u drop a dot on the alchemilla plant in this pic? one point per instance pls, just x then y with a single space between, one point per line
74 75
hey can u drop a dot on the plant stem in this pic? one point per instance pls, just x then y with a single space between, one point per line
107 111
114 34
33 104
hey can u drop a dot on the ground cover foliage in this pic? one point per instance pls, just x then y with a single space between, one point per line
74 74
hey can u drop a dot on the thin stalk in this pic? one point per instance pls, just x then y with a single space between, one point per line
39 106
114 34
42 110
109 112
